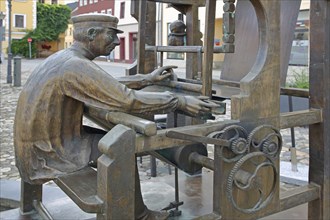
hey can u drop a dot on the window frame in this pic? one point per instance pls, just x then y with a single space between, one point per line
122 10
24 21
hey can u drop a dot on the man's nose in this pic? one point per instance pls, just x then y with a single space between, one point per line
116 40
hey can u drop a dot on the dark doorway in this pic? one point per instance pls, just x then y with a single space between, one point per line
122 48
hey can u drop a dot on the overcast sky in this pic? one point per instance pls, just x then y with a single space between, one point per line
69 1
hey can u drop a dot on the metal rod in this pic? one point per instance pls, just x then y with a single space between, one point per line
196 138
176 186
9 66
204 161
293 152
176 176
292 128
161 59
2 32
153 168
30 50
183 49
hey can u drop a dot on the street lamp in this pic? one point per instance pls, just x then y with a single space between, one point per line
2 31
9 76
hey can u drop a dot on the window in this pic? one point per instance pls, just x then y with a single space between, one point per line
85 2
122 10
54 2
19 21
81 2
103 11
91 1
109 11
42 1
95 1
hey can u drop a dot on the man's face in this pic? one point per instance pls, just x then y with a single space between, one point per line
105 41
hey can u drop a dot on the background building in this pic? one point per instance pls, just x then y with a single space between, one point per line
127 50
169 14
94 6
23 17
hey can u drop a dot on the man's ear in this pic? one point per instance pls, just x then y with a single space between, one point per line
91 34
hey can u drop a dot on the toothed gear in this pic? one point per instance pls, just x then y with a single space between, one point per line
239 146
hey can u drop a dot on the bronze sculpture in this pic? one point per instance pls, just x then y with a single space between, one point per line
50 139
246 163
177 35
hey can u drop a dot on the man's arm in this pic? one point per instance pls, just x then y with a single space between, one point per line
140 81
94 87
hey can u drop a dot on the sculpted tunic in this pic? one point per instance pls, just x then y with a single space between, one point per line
49 138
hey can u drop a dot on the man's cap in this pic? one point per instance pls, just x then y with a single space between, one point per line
96 20
177 28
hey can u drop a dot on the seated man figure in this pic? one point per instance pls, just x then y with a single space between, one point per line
49 137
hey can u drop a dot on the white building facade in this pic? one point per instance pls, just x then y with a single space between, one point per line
127 51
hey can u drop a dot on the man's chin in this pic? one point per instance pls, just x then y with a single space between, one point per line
110 48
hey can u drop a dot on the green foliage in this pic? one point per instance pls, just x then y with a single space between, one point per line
52 20
300 79
21 48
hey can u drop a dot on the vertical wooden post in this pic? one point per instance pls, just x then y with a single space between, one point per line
193 38
142 13
257 104
319 134
146 35
29 193
208 47
116 174
150 35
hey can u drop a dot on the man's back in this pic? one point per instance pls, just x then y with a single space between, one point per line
45 118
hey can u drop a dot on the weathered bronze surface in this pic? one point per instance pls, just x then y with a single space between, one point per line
177 35
50 140
51 143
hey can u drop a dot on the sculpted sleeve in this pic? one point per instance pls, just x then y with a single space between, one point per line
93 86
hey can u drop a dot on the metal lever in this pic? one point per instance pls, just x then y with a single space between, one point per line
196 138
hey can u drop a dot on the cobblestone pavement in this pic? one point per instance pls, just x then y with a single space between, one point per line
8 100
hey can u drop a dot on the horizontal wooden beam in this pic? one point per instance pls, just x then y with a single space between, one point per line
161 141
300 118
299 196
226 83
138 124
304 93
182 2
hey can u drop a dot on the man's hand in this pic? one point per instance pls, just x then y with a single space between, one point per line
195 106
160 74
